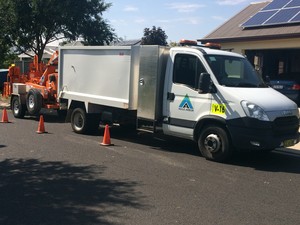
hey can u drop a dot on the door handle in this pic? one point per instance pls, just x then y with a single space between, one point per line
170 96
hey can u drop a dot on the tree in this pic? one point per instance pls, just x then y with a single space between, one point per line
32 24
173 44
154 36
3 53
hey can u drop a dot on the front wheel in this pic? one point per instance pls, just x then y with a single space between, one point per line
214 143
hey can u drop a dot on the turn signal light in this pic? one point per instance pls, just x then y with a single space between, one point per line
213 45
187 42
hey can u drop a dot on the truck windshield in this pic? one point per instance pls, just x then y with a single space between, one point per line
234 71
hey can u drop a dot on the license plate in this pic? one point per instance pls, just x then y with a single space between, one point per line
288 143
278 86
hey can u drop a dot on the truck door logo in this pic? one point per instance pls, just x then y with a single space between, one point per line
186 104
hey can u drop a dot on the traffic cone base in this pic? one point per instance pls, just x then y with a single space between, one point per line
4 116
41 127
106 138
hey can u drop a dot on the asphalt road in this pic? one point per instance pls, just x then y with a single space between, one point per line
64 178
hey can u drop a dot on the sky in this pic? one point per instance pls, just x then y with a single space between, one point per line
186 19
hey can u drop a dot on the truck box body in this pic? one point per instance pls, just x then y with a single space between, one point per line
123 77
101 75
153 61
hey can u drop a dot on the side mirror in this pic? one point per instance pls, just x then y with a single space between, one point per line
204 84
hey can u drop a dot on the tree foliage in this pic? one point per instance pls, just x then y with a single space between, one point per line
154 36
3 52
173 44
32 24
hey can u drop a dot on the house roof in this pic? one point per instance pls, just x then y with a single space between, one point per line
128 42
75 43
48 51
232 31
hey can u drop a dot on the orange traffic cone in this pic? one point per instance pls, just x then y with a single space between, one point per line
4 116
106 137
41 127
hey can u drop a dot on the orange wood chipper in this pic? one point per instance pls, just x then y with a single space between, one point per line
35 90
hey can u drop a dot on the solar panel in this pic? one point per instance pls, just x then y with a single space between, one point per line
277 12
259 18
276 4
283 16
296 18
293 3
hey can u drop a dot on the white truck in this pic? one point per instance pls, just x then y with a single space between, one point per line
211 96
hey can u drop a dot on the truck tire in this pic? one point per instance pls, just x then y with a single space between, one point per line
34 101
83 123
17 108
214 143
79 121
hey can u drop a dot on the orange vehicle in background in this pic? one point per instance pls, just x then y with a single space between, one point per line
33 91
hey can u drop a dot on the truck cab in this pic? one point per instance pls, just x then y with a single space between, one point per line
217 99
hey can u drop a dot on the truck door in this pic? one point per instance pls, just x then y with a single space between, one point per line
183 104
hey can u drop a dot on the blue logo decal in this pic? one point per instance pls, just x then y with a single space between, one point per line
186 104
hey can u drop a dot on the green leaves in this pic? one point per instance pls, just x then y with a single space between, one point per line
154 36
32 24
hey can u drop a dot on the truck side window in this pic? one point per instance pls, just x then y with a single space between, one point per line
187 69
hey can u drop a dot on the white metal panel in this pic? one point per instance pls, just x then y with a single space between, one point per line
101 72
95 99
19 88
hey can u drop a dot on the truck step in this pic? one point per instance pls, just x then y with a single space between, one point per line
149 126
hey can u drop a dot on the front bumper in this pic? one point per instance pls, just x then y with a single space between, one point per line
252 134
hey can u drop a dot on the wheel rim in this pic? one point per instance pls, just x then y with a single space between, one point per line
31 101
212 143
78 121
16 107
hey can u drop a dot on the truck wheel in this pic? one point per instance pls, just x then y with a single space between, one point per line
17 108
79 121
214 144
83 123
34 101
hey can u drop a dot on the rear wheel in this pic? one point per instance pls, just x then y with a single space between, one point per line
83 123
17 108
79 121
214 143
34 101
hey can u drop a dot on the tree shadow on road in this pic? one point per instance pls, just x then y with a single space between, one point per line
34 192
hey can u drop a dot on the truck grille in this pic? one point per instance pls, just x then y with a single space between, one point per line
286 125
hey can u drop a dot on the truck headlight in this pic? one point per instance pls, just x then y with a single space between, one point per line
254 111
